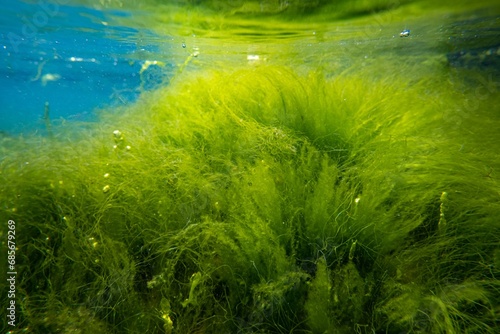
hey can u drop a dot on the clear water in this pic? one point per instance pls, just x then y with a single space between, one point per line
68 56
271 166
82 58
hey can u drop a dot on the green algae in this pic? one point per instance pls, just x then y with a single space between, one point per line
327 198
261 200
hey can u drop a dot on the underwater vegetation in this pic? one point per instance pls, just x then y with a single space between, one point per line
261 200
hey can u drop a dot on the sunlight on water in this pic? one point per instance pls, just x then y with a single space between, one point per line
95 55
259 166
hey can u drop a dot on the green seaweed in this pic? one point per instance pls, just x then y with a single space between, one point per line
262 200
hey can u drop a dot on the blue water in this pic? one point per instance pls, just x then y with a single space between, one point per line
72 58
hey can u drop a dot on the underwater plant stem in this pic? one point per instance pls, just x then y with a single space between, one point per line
442 219
183 66
46 119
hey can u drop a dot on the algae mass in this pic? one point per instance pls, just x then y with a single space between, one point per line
262 198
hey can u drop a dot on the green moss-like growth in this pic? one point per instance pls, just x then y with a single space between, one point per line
261 200
319 302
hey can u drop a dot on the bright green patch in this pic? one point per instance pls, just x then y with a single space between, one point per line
264 200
